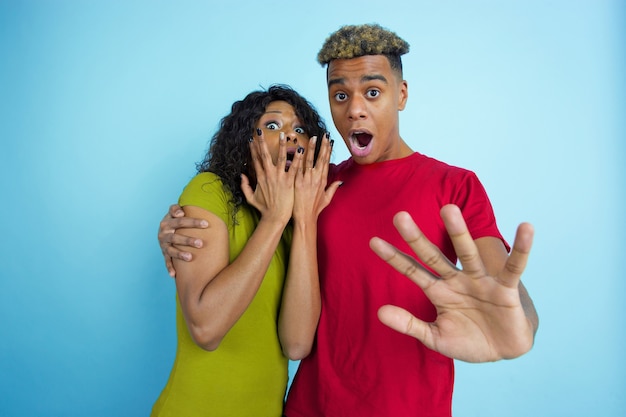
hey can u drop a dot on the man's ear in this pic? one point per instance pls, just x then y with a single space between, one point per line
403 95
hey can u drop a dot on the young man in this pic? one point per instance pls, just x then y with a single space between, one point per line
360 365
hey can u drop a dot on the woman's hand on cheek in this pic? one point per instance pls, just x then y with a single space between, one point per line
273 195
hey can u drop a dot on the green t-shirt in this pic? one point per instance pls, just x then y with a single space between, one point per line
247 374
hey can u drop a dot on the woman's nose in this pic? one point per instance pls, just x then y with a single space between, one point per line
291 136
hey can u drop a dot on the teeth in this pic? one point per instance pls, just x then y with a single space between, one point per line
357 144
356 141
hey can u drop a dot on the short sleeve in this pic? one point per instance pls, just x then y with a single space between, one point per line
206 191
477 210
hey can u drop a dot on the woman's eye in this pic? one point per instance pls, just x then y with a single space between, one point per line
272 126
341 96
299 130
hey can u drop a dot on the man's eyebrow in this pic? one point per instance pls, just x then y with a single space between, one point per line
373 77
364 79
334 81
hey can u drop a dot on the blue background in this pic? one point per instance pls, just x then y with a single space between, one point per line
106 106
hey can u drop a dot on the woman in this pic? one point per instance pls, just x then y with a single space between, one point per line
250 298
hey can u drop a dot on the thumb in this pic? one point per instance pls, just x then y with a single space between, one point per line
404 322
248 192
332 189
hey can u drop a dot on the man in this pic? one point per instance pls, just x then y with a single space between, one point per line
361 366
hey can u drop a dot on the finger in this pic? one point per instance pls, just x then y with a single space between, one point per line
168 226
403 263
264 154
175 253
325 137
317 166
182 240
310 153
281 164
429 254
518 259
332 189
170 267
256 158
464 245
297 165
404 322
323 159
176 211
248 192
323 151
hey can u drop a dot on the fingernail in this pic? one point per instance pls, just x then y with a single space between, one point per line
204 223
258 131
332 142
250 139
187 256
197 243
300 149
327 135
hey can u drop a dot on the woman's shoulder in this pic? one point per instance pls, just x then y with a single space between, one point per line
205 180
205 185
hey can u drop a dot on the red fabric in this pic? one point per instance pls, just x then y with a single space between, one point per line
358 366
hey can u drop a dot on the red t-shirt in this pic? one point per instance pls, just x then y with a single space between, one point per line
358 366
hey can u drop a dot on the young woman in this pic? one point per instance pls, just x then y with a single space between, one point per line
249 299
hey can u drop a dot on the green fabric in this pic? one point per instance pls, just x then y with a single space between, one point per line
247 374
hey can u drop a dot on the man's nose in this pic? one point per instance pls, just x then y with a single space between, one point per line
357 108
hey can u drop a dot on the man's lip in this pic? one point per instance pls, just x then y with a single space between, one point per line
356 149
355 131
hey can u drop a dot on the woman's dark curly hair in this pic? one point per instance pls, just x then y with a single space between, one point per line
229 152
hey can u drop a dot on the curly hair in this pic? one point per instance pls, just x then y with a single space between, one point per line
353 41
229 153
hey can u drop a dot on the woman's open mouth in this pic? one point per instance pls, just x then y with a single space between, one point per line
290 154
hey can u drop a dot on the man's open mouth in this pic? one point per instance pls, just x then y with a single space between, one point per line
361 143
361 139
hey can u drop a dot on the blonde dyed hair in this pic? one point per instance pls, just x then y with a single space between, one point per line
353 41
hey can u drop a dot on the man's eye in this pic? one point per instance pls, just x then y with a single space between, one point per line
373 93
299 130
272 126
341 96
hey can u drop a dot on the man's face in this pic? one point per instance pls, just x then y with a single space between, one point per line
365 97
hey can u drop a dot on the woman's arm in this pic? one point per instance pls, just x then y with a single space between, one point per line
215 293
301 305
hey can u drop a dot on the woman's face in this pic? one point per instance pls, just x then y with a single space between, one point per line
280 117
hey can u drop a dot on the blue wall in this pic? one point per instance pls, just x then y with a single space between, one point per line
106 106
